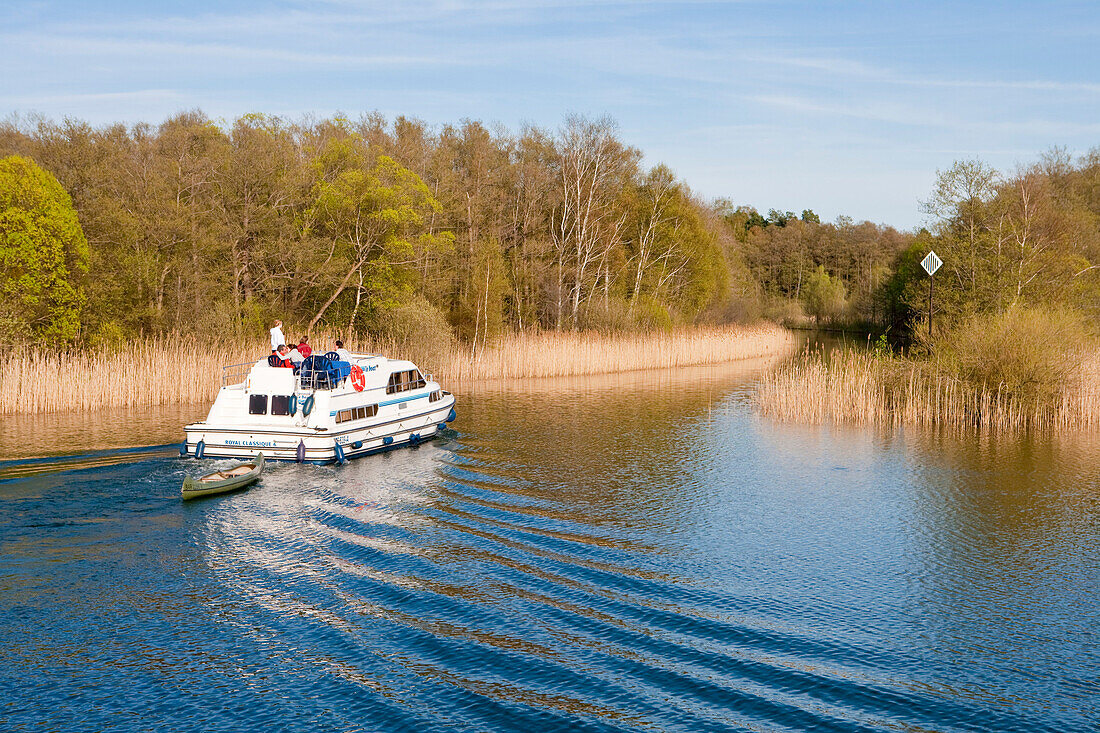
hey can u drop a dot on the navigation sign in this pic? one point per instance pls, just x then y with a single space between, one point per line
931 263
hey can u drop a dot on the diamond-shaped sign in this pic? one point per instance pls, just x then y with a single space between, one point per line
931 263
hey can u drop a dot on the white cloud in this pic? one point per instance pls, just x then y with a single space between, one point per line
848 68
150 49
57 100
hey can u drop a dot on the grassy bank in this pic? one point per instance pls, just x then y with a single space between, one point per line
867 388
183 370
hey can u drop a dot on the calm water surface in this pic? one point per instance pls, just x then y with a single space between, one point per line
627 553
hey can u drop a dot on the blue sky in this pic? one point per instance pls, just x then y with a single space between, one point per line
842 107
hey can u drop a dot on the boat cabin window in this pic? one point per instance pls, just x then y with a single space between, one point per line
357 413
435 396
280 404
257 404
404 381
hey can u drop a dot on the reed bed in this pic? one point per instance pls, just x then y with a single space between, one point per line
146 372
183 370
865 388
571 354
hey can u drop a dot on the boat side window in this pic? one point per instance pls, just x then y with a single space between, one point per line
404 381
257 404
280 404
399 382
435 396
357 413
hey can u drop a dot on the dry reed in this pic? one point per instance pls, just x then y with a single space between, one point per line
866 388
184 370
569 354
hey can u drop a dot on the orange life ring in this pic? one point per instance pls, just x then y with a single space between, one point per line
358 379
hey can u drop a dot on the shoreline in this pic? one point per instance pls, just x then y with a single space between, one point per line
133 375
77 437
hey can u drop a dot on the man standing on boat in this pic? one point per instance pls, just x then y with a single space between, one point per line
277 338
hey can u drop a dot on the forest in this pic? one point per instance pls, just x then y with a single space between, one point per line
209 228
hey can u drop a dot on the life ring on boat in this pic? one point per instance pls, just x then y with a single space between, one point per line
358 379
307 406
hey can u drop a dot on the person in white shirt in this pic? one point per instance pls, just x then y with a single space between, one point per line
345 355
277 338
296 356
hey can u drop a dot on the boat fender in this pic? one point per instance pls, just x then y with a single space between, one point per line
357 444
339 453
200 448
307 406
451 416
414 438
183 449
300 454
292 405
387 440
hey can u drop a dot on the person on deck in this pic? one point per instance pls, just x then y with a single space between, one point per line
345 355
304 348
277 338
282 357
296 357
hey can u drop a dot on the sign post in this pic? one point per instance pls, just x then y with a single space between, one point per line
930 263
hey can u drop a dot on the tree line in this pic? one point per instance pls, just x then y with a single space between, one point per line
1022 240
191 226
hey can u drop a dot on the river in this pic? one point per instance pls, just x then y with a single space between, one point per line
634 552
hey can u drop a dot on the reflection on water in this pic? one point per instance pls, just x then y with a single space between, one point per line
618 553
67 433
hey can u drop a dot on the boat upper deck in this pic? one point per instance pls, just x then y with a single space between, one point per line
378 373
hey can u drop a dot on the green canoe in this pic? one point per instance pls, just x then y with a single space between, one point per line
220 482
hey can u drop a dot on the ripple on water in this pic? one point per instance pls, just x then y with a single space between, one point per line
546 569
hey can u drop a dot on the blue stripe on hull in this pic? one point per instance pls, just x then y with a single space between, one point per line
407 443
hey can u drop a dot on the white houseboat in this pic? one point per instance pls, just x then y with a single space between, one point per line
328 409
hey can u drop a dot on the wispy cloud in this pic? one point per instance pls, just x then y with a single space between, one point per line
1037 127
69 46
877 112
56 100
843 67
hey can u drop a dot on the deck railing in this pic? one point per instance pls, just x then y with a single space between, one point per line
233 374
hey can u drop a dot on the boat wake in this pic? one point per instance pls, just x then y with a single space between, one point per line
542 575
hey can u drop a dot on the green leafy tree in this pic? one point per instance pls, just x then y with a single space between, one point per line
824 297
375 219
43 254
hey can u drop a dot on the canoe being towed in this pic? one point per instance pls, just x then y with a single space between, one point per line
219 482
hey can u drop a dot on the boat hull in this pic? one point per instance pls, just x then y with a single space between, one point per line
318 446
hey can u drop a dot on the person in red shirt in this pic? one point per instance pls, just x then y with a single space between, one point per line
304 348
